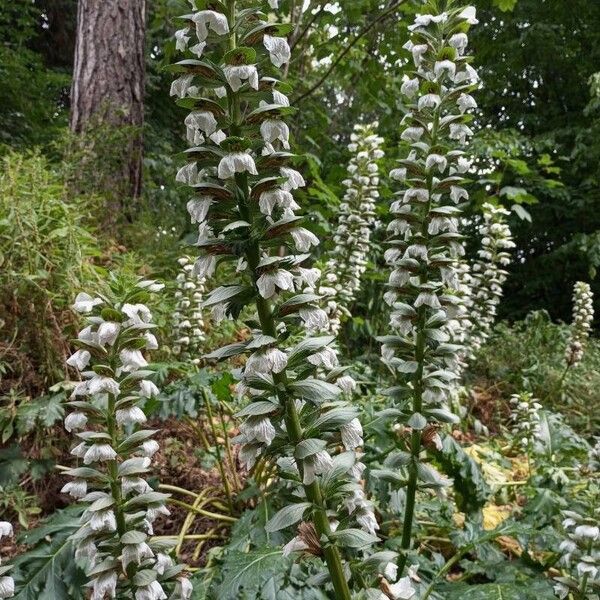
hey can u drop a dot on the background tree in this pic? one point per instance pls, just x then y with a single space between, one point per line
109 81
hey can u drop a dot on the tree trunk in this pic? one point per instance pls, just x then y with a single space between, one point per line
107 94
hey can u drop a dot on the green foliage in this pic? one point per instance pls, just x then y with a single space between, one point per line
501 591
32 111
471 490
542 95
45 252
530 355
48 571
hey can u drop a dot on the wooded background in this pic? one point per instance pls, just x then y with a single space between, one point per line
102 66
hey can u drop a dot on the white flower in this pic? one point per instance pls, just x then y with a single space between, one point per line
458 193
443 67
139 314
278 49
154 591
131 415
151 285
188 174
79 360
304 239
237 74
390 571
403 589
7 587
460 132
108 333
99 453
310 277
417 52
280 99
296 544
198 208
412 134
588 532
182 38
210 19
346 383
183 589
275 130
100 384
268 283
274 3
205 266
324 358
151 341
148 389
103 520
198 49
149 448
317 464
429 101
76 488
202 120
87 335
132 360
258 429
426 20
276 359
6 529
314 318
104 584
238 162
135 553
459 41
134 484
163 562
181 86
410 87
84 303
352 434
436 160
469 15
294 179
276 197
466 102
398 174
75 421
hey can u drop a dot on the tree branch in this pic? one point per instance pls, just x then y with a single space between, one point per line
347 49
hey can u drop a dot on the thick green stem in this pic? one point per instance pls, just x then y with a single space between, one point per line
417 405
415 444
113 465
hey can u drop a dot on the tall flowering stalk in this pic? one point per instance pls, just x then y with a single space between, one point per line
488 274
356 220
583 316
7 583
424 240
526 422
116 451
580 553
188 323
239 171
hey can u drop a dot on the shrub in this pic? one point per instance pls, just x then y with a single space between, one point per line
45 252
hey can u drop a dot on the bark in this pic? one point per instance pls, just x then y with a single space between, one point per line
108 85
